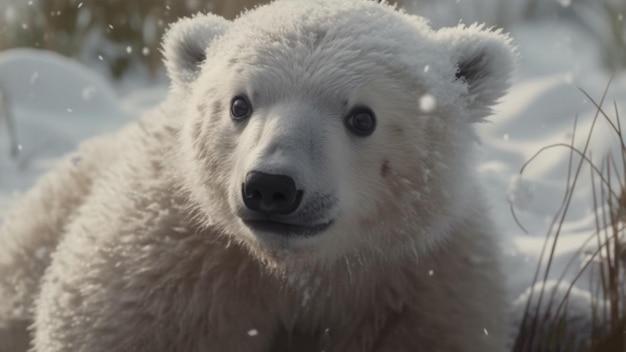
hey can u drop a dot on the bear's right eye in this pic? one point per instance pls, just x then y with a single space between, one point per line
240 108
361 121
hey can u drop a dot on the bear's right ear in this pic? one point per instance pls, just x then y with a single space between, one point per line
185 44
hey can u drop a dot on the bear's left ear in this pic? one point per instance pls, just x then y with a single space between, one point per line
185 44
484 60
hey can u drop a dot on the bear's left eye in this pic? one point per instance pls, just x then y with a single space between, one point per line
361 121
240 108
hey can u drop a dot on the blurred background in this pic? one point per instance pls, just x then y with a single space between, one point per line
117 36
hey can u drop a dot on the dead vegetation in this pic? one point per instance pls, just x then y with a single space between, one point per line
546 324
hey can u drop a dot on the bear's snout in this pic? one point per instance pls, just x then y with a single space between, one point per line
271 194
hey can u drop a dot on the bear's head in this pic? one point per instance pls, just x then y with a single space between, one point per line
313 130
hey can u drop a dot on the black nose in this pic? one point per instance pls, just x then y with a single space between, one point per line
270 193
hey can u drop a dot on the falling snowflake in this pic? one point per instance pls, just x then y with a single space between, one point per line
427 103
564 3
88 93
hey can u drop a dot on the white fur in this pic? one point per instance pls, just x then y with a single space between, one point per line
185 48
150 254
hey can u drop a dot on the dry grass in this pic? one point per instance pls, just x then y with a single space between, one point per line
545 325
6 118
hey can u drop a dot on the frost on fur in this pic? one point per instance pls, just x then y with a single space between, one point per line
185 45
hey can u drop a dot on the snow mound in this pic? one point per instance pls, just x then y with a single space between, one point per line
49 104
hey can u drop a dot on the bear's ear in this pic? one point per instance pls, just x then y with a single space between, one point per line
484 60
185 44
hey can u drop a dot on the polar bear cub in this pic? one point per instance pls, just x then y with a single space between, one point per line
290 194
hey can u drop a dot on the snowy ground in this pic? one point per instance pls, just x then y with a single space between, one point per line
540 110
56 103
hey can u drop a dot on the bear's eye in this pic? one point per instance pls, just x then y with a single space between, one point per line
361 121
240 108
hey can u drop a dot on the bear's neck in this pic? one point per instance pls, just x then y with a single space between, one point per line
310 298
306 298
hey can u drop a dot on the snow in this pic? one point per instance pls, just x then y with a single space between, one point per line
55 103
427 103
540 110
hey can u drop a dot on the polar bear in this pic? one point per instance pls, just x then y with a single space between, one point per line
307 185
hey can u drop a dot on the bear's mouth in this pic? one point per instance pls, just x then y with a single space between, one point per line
286 229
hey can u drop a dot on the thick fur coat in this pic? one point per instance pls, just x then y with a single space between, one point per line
145 241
